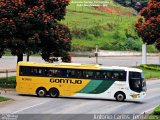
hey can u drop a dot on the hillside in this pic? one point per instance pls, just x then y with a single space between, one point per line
111 26
135 4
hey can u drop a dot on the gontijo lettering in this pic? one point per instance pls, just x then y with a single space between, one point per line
66 81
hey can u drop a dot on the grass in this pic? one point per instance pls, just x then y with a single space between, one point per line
9 82
90 27
3 99
155 115
151 66
149 74
157 110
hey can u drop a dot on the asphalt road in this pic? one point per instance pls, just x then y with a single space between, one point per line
77 107
9 62
29 105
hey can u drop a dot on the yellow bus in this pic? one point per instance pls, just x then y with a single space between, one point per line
80 80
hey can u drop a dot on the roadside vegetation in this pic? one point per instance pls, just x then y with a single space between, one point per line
112 28
151 71
9 82
151 67
155 115
3 99
157 111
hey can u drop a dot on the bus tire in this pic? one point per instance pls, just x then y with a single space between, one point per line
53 92
41 92
120 96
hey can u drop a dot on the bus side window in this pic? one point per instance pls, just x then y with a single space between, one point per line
109 75
78 74
122 76
32 72
50 73
46 70
22 70
97 75
85 75
71 73
39 71
115 76
58 73
64 73
119 75
88 74
68 73
104 75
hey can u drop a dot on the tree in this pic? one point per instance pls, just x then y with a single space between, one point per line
148 26
32 26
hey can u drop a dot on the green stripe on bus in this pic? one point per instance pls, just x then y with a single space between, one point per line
91 86
105 85
97 86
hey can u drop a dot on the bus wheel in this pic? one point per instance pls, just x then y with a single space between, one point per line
120 96
41 92
53 92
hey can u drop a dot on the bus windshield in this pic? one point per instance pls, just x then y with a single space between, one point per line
137 82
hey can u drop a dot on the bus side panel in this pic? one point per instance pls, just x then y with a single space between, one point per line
24 85
119 86
29 85
73 88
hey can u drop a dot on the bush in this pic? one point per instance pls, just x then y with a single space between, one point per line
90 37
151 66
10 82
96 31
77 47
151 49
117 35
3 99
79 33
126 44
132 44
88 33
157 111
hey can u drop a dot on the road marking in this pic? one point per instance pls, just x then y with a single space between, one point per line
28 107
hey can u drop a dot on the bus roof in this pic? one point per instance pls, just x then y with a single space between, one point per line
79 65
121 68
61 65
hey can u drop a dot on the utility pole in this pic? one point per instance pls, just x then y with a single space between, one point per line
96 54
159 58
144 54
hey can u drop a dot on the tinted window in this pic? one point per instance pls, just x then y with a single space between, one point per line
97 75
52 72
31 71
135 75
24 70
135 81
118 75
39 71
88 74
73 73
